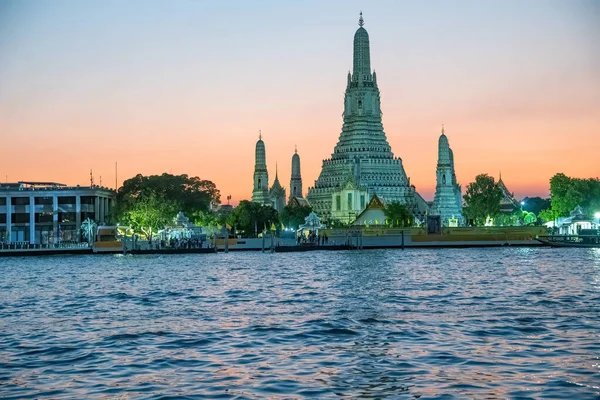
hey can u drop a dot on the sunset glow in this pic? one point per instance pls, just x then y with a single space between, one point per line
184 87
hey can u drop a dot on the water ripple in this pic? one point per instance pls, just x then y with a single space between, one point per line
413 324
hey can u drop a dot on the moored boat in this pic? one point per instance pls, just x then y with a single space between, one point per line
106 240
583 240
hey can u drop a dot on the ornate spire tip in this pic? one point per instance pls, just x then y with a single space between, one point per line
296 148
361 21
443 132
259 134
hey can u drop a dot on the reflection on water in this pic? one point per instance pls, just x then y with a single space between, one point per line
507 322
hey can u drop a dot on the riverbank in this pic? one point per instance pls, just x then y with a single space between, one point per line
340 239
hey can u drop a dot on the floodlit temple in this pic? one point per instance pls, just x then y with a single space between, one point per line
276 195
260 192
447 202
362 163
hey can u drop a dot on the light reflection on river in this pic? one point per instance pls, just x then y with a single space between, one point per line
504 322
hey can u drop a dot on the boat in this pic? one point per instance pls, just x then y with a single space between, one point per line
584 239
107 242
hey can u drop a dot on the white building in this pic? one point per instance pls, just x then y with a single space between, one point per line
48 212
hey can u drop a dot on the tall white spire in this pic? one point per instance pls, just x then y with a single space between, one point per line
362 57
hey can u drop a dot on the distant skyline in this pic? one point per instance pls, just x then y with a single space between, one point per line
185 86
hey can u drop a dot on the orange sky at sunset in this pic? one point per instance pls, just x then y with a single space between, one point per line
514 99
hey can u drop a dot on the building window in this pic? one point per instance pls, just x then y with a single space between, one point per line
444 179
2 220
2 201
350 201
86 215
66 200
66 217
20 218
43 201
362 201
43 217
87 200
338 202
20 201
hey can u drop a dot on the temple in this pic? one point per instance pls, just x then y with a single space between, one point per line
508 203
362 162
447 202
277 194
296 178
260 192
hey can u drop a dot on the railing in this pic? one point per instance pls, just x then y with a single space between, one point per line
37 246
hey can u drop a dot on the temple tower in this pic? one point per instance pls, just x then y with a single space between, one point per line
447 202
296 179
260 192
277 194
363 153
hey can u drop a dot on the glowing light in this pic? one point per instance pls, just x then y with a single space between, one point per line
597 215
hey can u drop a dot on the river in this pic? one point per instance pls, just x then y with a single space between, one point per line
418 323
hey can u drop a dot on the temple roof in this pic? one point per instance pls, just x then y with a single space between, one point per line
296 201
277 189
296 164
260 153
362 57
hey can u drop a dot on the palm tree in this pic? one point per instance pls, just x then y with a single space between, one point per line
87 230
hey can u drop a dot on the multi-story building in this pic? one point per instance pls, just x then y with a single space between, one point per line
48 212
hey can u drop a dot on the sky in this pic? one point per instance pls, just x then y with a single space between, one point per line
185 86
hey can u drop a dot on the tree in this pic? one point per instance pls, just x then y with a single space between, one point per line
399 214
293 216
535 204
512 218
249 216
482 199
547 215
189 195
564 194
150 214
567 193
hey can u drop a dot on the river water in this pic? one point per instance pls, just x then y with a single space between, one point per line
449 323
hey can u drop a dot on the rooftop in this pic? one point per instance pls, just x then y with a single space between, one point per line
40 186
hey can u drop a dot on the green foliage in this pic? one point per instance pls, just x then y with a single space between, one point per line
482 199
248 216
190 194
161 197
547 215
513 218
88 229
529 218
398 214
564 194
567 193
293 216
150 214
535 204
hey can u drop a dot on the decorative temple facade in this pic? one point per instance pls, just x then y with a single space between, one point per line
277 194
362 155
296 178
348 201
447 202
508 203
260 192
